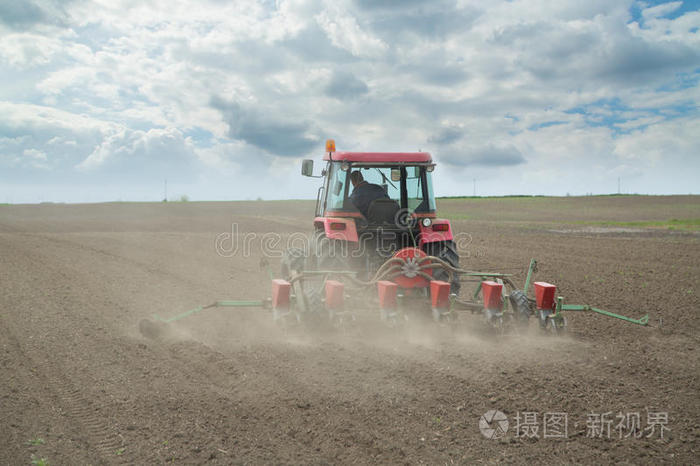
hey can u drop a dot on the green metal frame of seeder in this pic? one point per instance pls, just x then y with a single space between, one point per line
556 316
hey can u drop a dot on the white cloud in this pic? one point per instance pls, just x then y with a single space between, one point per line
660 10
26 50
345 32
36 158
156 153
34 154
672 143
40 120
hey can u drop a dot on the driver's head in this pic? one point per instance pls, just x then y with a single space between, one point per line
356 178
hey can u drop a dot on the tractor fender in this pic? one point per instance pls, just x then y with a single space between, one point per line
430 235
337 228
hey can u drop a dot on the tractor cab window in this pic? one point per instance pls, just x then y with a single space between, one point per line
414 190
336 187
382 177
409 186
429 201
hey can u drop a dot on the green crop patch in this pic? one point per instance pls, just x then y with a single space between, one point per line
672 224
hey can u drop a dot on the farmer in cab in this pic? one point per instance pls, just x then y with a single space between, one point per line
364 193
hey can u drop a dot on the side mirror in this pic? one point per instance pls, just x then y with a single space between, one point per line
307 167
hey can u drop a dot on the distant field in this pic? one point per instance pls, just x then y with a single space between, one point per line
673 212
653 212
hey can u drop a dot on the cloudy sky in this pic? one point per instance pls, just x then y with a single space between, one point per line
103 100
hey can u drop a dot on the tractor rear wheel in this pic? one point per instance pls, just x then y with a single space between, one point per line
521 307
325 254
308 290
292 262
447 251
328 254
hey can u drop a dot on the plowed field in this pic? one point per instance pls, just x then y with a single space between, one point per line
79 384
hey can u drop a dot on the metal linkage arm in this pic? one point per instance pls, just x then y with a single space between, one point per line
585 307
530 271
262 304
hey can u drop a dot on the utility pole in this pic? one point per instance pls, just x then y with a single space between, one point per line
618 185
474 187
165 191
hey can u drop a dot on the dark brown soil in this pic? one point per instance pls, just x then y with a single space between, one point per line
79 384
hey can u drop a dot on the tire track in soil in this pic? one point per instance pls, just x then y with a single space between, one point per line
23 374
77 407
84 419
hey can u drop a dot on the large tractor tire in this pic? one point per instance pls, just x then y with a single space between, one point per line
521 307
324 254
308 291
447 251
327 254
293 262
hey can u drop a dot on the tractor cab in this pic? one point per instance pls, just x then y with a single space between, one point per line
405 181
405 177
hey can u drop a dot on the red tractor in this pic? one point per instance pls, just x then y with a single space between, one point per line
405 218
397 242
